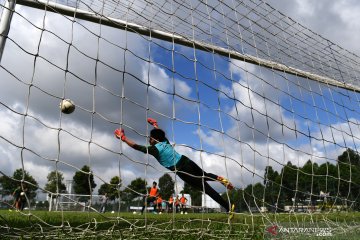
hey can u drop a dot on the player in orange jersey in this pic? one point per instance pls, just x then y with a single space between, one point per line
151 197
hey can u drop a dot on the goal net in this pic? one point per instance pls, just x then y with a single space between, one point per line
239 88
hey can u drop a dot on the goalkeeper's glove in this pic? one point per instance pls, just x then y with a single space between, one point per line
120 134
152 122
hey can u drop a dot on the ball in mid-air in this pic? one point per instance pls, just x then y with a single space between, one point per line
67 106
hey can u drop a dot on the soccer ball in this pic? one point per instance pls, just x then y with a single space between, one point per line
112 212
67 106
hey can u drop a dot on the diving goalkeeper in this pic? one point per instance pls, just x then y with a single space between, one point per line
184 167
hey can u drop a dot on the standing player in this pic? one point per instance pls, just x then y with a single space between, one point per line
16 196
183 201
164 206
159 202
177 204
185 168
103 201
171 203
151 197
22 200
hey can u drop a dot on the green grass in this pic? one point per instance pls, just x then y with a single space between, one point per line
92 225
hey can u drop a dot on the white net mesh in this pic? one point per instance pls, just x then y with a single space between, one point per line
239 88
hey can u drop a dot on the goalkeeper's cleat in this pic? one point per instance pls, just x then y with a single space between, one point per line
225 182
231 212
153 122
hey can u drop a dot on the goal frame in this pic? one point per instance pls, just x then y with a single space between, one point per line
170 37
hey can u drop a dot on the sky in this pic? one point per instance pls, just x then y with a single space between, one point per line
212 99
334 20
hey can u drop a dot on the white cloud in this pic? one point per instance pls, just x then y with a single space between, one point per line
305 7
333 19
158 78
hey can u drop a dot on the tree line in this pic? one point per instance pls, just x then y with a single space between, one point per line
337 184
288 186
84 185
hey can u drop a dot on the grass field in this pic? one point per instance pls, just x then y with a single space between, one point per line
91 225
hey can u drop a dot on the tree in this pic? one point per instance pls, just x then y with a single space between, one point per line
328 178
55 183
307 186
84 182
236 196
112 188
194 193
254 195
349 156
9 184
135 189
104 188
349 174
287 182
166 185
6 184
271 187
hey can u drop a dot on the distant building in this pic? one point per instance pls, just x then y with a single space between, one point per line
69 186
208 203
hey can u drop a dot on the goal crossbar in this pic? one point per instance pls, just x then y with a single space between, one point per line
177 39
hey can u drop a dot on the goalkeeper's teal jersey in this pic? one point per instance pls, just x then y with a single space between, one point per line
168 157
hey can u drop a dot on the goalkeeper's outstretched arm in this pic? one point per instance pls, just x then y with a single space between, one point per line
153 139
120 134
152 150
153 122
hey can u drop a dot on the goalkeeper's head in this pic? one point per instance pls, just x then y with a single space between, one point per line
158 135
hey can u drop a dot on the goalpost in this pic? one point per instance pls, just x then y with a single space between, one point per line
241 89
